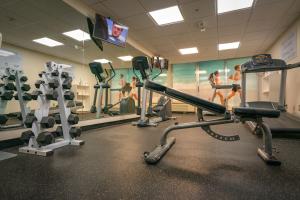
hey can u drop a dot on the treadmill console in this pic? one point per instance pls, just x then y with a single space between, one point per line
262 59
263 63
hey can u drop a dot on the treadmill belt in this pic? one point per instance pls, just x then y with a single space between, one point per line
284 126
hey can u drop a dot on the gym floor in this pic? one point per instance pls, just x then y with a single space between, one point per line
110 166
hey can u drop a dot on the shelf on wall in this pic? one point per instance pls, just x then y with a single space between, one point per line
85 86
266 91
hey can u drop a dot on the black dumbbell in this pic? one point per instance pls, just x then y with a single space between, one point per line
69 95
75 132
11 77
53 95
26 135
55 73
73 119
65 75
54 83
26 97
25 87
30 118
19 116
7 95
59 131
45 138
23 78
35 94
47 122
9 86
57 119
38 83
41 74
67 84
3 119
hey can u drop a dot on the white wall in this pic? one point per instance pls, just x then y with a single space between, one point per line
293 77
33 62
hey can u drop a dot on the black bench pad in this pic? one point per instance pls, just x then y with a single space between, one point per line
256 112
155 86
206 105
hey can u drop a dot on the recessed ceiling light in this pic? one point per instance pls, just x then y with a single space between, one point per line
48 42
103 61
231 5
166 16
6 53
125 58
78 35
232 45
185 51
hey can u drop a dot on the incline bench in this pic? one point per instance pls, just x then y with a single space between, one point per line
238 115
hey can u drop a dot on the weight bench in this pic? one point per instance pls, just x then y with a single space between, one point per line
237 115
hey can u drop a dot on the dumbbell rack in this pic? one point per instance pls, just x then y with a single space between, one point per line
10 75
53 72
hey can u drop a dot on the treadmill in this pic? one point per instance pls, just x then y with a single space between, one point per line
286 126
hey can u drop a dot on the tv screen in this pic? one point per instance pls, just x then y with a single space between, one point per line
110 31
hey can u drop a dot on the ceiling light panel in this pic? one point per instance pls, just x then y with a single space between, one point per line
48 42
167 16
125 58
185 51
103 61
231 45
78 35
232 5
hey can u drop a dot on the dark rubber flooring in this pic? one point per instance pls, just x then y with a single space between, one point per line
110 166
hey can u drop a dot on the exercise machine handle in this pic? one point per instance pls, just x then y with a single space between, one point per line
159 68
113 72
295 65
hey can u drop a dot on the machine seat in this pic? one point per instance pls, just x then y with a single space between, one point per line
256 112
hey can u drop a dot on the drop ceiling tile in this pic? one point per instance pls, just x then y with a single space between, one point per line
260 25
295 8
122 9
137 22
209 22
261 2
148 33
256 35
207 34
157 4
227 54
103 10
271 11
182 38
231 30
198 9
210 42
90 2
230 38
174 29
234 18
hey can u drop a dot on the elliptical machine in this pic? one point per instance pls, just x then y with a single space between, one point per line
102 83
127 105
163 110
